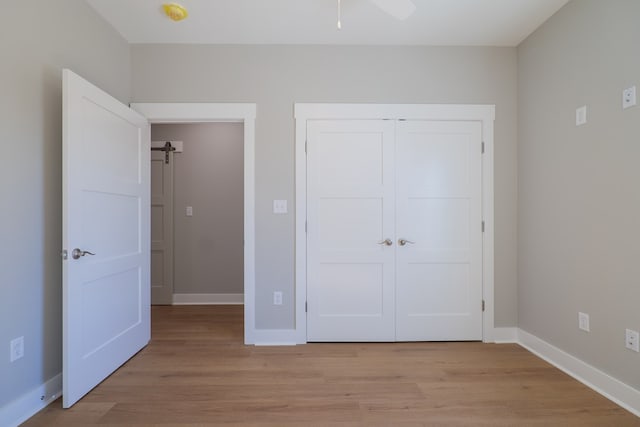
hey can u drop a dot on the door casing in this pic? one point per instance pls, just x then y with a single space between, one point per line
224 112
440 112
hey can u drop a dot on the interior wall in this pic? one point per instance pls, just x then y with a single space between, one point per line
579 202
276 77
39 39
208 176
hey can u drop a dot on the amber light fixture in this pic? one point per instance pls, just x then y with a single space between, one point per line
175 11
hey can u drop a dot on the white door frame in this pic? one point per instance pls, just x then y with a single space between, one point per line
441 112
224 112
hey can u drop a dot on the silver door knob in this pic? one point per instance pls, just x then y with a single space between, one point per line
403 242
77 253
386 242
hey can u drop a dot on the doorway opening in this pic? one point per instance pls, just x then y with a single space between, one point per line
197 213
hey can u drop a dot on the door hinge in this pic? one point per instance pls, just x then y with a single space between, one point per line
306 142
482 305
483 226
482 148
305 306
305 226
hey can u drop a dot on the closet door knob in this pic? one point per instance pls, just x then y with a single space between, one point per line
403 242
386 242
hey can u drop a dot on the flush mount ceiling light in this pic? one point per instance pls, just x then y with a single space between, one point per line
175 11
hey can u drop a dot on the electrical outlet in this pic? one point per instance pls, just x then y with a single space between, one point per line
16 349
632 340
629 97
277 298
583 321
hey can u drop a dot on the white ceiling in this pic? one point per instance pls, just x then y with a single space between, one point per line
435 22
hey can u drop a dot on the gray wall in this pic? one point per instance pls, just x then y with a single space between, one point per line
275 77
208 175
38 39
579 201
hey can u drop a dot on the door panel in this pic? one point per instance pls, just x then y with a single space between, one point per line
359 165
350 204
359 220
439 227
351 290
437 289
116 235
105 297
434 163
161 228
439 194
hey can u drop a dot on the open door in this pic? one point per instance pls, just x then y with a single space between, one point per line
106 235
162 161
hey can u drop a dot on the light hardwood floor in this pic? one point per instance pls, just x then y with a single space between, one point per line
196 371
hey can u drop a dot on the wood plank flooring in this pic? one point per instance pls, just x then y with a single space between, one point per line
197 372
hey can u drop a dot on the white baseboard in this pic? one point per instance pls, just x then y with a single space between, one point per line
611 388
207 299
27 405
273 337
505 335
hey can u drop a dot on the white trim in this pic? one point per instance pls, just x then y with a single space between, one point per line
196 112
488 319
208 112
300 285
611 388
30 403
304 112
208 299
505 335
274 337
394 111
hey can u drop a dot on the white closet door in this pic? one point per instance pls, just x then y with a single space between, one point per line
439 195
350 197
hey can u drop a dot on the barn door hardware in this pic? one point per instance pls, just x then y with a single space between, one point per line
167 148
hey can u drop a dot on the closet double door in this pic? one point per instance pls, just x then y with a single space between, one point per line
394 230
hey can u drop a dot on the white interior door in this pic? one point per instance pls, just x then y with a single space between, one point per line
439 202
350 196
161 227
418 184
106 206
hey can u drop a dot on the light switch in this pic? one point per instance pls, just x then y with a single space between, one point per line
279 206
189 211
581 115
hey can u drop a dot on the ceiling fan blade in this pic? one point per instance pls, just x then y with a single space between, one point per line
399 9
